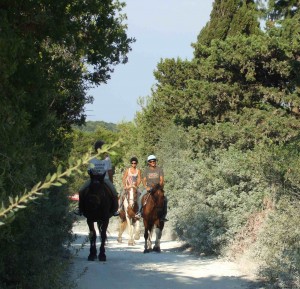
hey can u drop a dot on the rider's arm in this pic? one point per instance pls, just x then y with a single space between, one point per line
144 182
161 181
124 178
111 175
138 178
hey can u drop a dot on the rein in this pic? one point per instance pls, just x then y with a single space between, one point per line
152 194
127 198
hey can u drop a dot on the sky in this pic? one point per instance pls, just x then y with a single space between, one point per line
163 29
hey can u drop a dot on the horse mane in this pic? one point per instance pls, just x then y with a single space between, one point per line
96 180
157 187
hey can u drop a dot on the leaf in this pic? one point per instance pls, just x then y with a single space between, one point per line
11 200
38 193
21 206
48 177
46 186
35 187
59 170
57 184
53 177
63 181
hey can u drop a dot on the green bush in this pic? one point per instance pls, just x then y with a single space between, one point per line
279 245
31 247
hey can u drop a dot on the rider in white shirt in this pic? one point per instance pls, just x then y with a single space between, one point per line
99 167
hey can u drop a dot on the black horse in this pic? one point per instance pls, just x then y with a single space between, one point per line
96 204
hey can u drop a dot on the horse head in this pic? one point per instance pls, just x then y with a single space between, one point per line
96 178
157 193
97 199
132 195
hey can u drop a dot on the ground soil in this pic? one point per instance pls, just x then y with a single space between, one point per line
127 267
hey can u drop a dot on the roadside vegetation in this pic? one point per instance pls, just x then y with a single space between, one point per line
51 52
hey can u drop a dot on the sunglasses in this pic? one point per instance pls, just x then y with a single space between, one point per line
133 163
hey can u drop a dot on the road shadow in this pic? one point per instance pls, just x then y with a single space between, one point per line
174 268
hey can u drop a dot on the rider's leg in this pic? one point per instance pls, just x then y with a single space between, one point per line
115 196
165 210
139 212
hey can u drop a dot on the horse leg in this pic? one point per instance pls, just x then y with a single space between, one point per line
158 233
137 230
102 226
130 230
146 235
92 236
122 228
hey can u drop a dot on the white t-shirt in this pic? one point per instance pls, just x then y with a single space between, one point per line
99 167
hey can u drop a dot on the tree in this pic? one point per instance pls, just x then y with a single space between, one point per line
278 9
51 52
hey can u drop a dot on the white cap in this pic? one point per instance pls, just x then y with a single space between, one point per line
151 157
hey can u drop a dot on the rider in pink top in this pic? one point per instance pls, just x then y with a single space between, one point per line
132 175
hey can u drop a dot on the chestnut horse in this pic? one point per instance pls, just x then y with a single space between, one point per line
127 216
96 205
153 203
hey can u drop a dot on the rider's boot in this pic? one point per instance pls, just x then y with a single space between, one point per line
139 213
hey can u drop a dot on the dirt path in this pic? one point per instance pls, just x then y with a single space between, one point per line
127 267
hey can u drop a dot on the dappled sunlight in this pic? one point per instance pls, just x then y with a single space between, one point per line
128 267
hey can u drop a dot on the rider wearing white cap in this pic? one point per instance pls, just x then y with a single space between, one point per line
153 175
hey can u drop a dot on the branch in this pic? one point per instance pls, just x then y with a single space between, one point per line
57 179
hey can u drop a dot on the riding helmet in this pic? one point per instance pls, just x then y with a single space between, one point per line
151 158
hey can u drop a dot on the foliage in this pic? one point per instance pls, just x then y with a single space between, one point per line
51 52
229 18
92 126
34 256
57 179
278 245
225 127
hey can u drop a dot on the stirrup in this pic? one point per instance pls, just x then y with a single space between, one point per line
116 214
138 215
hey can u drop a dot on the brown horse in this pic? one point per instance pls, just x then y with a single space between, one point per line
96 205
127 216
153 203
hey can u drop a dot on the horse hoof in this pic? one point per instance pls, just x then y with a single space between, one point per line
119 240
92 257
102 258
146 251
156 249
130 243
